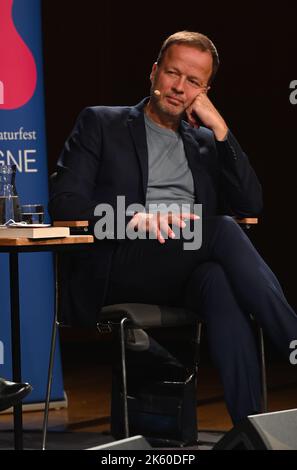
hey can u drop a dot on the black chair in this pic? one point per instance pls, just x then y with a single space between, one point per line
128 317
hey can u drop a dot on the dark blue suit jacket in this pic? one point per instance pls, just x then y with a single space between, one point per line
105 156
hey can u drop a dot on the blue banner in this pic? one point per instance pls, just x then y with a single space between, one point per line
23 143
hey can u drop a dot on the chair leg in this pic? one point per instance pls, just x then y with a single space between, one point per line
197 361
51 362
124 377
197 345
263 371
49 384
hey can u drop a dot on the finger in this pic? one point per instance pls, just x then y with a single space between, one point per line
193 123
153 227
151 222
166 228
177 221
189 215
132 224
159 235
189 112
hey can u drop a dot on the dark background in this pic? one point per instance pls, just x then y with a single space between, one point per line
101 52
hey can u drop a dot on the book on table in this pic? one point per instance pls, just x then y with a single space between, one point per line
34 232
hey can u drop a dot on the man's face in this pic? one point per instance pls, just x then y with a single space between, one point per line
182 75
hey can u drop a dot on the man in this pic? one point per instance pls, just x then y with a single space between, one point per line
12 393
151 155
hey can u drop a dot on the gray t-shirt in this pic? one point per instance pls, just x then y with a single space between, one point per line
170 179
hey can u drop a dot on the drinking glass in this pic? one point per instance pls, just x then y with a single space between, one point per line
32 213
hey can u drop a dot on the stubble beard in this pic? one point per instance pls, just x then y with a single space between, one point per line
165 111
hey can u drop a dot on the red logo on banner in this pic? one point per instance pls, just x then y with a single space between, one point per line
18 74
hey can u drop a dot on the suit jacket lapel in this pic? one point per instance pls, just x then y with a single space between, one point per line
192 151
137 129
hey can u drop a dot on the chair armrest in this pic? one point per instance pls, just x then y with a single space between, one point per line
247 222
70 223
85 223
76 226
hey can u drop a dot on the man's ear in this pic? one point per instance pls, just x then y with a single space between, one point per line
153 72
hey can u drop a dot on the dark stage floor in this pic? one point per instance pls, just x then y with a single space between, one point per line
87 380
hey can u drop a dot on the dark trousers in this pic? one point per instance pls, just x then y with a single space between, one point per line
225 282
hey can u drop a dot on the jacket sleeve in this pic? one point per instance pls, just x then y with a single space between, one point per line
240 189
72 186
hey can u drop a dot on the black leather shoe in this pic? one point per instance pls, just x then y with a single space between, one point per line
11 393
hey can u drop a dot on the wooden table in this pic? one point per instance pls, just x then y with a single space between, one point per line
14 246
